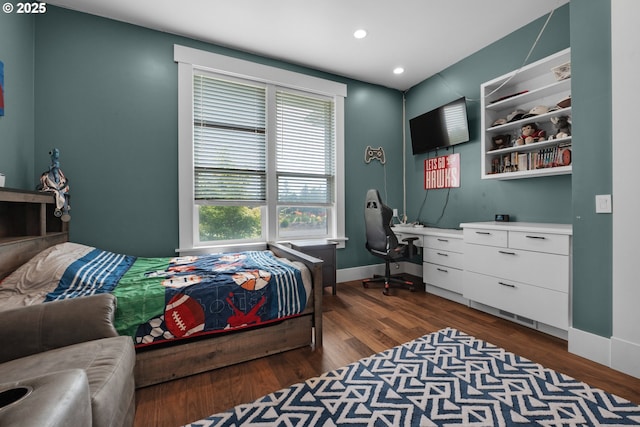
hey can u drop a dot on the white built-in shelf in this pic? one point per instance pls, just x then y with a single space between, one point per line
531 86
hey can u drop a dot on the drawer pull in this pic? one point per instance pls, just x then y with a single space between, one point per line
441 254
443 270
507 253
536 237
509 285
443 240
486 233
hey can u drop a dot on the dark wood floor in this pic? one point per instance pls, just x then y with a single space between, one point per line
358 323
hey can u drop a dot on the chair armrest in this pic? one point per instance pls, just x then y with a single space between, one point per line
410 240
42 327
410 245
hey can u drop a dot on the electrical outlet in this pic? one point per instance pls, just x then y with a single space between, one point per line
603 203
395 212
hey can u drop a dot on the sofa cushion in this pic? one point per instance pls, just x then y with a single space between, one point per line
42 327
60 399
108 364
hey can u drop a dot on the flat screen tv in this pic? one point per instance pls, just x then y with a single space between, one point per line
442 127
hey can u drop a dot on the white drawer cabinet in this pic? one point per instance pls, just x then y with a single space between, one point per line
483 236
540 242
443 262
543 305
451 243
535 268
521 268
443 257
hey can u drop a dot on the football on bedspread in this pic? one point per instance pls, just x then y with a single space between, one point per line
184 316
252 280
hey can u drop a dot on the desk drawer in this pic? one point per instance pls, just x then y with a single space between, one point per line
540 242
487 237
444 243
543 305
535 268
446 258
443 277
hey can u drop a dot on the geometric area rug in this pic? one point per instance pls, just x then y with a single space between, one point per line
441 379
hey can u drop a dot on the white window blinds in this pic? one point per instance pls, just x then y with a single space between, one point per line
305 149
229 137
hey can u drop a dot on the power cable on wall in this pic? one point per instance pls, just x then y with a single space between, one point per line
404 159
524 62
444 207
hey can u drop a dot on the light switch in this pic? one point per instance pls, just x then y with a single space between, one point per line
603 203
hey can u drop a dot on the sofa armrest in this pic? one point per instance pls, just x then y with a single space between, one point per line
42 327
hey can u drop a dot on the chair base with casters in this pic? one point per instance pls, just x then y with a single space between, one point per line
388 279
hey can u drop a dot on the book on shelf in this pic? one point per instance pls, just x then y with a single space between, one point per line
515 161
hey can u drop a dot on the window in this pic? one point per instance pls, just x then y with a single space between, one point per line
305 164
229 159
260 153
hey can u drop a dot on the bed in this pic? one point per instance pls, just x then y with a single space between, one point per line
186 315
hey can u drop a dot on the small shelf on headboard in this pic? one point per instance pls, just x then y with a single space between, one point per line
27 226
14 239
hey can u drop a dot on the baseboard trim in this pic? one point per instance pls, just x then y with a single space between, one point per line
590 346
366 271
625 356
358 273
614 352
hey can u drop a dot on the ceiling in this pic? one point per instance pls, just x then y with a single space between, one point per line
422 36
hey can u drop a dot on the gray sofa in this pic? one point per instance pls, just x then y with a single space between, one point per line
63 364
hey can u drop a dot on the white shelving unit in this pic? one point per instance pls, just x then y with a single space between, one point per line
531 86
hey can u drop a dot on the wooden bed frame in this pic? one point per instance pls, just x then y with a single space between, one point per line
28 226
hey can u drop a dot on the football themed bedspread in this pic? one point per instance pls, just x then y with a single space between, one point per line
160 299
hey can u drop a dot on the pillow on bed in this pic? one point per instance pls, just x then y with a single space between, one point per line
30 283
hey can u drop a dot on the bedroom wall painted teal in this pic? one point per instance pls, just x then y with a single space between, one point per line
585 26
537 199
592 172
17 125
106 95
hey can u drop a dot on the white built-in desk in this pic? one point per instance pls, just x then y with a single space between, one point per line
517 270
442 259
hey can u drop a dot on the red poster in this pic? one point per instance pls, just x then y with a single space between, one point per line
442 172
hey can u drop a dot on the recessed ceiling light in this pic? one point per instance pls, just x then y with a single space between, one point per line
398 70
360 34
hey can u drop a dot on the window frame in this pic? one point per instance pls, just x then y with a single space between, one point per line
191 60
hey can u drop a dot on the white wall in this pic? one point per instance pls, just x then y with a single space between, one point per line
625 52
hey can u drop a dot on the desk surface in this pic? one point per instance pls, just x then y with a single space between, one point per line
427 231
527 227
512 226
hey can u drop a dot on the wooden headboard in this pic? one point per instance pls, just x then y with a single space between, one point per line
27 226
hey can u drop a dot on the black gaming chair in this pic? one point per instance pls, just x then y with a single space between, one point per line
383 243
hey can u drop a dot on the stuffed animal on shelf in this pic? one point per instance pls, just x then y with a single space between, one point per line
500 141
562 125
530 133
